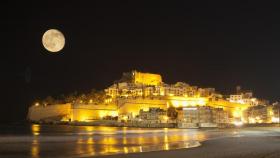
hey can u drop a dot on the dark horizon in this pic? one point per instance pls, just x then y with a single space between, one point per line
219 45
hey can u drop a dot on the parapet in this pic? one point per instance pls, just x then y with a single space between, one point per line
146 78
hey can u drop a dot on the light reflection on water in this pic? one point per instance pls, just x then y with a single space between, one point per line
35 148
83 141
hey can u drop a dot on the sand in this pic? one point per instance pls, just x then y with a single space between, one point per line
232 147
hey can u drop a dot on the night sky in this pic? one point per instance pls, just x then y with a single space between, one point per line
207 44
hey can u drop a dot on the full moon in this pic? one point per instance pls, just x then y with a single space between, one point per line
53 40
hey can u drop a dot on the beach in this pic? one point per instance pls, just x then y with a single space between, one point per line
229 147
248 147
38 141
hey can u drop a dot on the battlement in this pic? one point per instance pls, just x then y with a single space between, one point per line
146 78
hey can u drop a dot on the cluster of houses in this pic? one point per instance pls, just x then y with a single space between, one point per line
143 99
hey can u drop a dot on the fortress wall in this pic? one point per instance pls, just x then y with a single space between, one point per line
37 113
90 112
235 110
228 105
133 106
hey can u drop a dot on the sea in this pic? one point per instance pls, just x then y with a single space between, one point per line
35 141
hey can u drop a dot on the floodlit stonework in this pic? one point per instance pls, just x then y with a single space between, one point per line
136 94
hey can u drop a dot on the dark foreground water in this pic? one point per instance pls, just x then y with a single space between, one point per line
83 141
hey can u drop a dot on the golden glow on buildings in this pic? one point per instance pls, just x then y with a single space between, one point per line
238 123
275 120
90 115
252 120
108 100
237 113
125 149
142 91
187 101
146 78
89 112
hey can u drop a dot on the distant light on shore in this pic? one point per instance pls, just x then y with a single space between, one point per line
238 123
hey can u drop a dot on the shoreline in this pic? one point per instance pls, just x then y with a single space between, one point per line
134 143
229 147
110 123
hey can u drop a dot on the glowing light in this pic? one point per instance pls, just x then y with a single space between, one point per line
270 112
166 146
253 99
37 104
237 101
175 103
161 93
189 108
192 103
35 150
109 141
238 123
252 120
90 101
102 114
124 140
201 102
260 121
185 103
114 113
125 149
237 113
125 118
83 117
108 100
275 119
90 141
90 147
90 129
140 149
35 129
165 138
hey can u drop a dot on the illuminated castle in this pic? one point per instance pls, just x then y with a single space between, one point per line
136 93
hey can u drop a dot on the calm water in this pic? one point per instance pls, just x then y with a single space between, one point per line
82 141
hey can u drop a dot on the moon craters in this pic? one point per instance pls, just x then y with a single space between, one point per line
53 40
